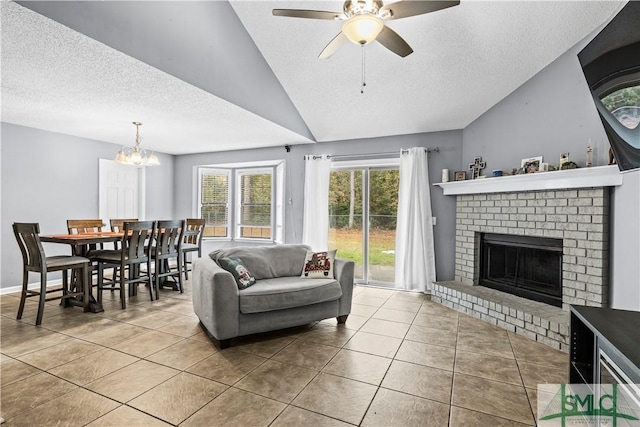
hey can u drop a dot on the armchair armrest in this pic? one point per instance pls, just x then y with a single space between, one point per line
343 271
215 298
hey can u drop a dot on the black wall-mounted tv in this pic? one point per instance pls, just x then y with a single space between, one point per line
611 66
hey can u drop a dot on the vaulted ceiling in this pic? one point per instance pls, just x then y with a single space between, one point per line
211 76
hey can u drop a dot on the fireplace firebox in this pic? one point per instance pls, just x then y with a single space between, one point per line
530 267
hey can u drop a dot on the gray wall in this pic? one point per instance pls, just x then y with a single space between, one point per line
625 243
450 144
50 177
552 113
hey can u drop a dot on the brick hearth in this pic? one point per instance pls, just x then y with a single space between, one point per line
538 321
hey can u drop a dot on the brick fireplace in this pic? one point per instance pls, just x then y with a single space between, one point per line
579 217
571 206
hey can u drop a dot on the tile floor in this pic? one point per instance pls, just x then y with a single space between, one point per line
400 360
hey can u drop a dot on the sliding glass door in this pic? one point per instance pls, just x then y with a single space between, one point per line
345 217
363 204
382 212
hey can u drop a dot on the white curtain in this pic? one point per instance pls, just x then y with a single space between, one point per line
415 257
315 226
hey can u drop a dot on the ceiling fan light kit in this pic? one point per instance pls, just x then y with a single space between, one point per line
362 29
364 22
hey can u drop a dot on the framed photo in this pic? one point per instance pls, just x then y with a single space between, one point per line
531 165
460 176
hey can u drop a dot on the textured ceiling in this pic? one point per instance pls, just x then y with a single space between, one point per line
466 59
57 79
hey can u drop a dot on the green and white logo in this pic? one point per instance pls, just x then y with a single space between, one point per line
568 405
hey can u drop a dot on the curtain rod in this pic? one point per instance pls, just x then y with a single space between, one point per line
391 154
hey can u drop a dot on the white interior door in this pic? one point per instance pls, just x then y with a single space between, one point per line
121 193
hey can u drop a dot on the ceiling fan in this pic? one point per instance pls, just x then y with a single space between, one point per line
364 22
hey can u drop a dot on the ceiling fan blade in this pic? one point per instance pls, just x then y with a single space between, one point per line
333 46
406 8
310 14
392 41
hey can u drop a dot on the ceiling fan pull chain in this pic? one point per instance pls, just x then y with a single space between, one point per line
363 71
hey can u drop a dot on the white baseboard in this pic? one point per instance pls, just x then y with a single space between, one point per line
33 286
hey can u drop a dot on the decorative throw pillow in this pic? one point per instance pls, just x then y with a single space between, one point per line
234 265
319 265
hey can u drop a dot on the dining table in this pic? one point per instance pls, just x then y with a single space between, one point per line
81 243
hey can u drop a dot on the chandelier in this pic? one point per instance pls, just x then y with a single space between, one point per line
137 156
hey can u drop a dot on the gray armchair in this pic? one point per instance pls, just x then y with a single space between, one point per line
279 299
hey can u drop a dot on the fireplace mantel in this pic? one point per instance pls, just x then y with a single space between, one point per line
598 176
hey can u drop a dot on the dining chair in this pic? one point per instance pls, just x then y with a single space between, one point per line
192 241
35 260
168 244
117 224
135 246
82 226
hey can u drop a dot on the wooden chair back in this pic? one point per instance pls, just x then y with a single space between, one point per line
28 237
136 240
169 238
117 224
79 226
194 231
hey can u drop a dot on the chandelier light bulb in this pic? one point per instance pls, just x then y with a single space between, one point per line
136 158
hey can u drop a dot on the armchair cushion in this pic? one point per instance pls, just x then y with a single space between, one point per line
287 292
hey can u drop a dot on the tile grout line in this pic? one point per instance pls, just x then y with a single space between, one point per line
453 373
524 386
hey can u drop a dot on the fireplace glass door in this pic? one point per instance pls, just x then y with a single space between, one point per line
529 267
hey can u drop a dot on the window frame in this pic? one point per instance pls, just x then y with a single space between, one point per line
238 173
277 170
215 171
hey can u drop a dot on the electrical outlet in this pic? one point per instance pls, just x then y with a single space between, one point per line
433 220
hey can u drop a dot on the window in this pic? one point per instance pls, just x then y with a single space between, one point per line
254 203
214 202
242 201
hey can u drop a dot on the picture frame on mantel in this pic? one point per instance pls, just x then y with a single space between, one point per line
460 176
531 165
